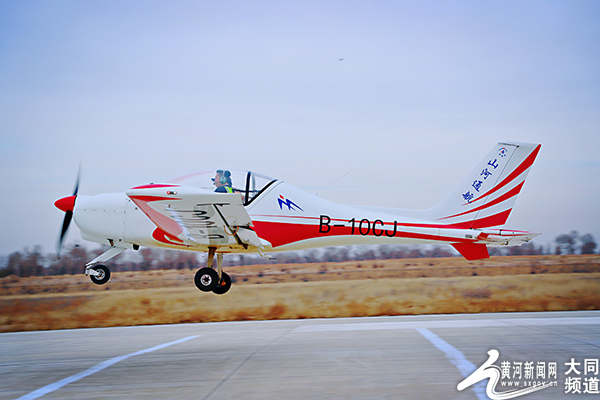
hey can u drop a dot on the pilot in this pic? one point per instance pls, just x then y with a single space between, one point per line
222 181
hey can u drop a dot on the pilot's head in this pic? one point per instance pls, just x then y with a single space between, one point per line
222 177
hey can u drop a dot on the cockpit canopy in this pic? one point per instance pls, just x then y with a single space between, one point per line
249 184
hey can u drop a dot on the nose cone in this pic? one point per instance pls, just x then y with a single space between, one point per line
66 203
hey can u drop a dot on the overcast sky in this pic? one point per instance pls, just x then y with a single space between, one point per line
407 96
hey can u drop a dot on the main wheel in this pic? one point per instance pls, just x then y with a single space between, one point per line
103 274
223 286
206 279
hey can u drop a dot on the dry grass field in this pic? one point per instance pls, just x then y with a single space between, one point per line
324 290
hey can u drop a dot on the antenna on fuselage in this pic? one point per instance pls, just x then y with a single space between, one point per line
326 186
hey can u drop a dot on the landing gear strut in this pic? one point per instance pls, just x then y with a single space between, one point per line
99 273
209 280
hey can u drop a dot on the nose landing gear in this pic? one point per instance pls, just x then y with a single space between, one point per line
99 274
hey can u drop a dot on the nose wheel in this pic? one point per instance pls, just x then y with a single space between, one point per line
99 274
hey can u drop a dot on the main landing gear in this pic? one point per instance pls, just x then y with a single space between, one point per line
209 280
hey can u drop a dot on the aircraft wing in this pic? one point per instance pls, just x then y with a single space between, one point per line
196 217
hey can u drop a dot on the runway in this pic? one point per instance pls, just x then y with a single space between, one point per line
407 357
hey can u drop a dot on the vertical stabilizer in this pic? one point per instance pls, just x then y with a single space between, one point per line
487 195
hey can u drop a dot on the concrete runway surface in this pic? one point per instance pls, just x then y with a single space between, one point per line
406 357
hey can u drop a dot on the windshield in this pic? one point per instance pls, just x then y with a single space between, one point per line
248 183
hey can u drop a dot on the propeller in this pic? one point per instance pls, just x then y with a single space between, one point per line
67 204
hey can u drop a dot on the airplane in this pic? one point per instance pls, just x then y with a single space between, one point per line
258 214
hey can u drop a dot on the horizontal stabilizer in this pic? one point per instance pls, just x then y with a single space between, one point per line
504 237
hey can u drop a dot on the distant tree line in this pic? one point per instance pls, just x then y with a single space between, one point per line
572 243
33 262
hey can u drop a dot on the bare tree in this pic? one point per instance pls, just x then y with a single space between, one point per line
14 261
71 261
26 263
565 244
148 259
588 244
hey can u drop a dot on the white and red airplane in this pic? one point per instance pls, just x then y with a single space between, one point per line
262 215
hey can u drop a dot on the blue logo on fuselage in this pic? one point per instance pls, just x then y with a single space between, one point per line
290 204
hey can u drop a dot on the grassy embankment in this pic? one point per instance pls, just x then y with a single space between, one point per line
350 289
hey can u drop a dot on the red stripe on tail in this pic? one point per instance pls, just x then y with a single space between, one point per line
518 171
511 193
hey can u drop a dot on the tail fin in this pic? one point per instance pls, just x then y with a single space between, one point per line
487 195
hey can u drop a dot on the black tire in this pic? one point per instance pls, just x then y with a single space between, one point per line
104 274
224 286
206 279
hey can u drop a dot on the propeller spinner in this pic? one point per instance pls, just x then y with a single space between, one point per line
66 204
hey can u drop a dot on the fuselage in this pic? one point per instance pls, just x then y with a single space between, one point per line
284 218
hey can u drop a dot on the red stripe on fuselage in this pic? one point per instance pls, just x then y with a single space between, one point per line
406 224
150 199
153 186
282 233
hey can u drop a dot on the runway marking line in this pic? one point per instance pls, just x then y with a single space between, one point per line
456 357
97 368
450 323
